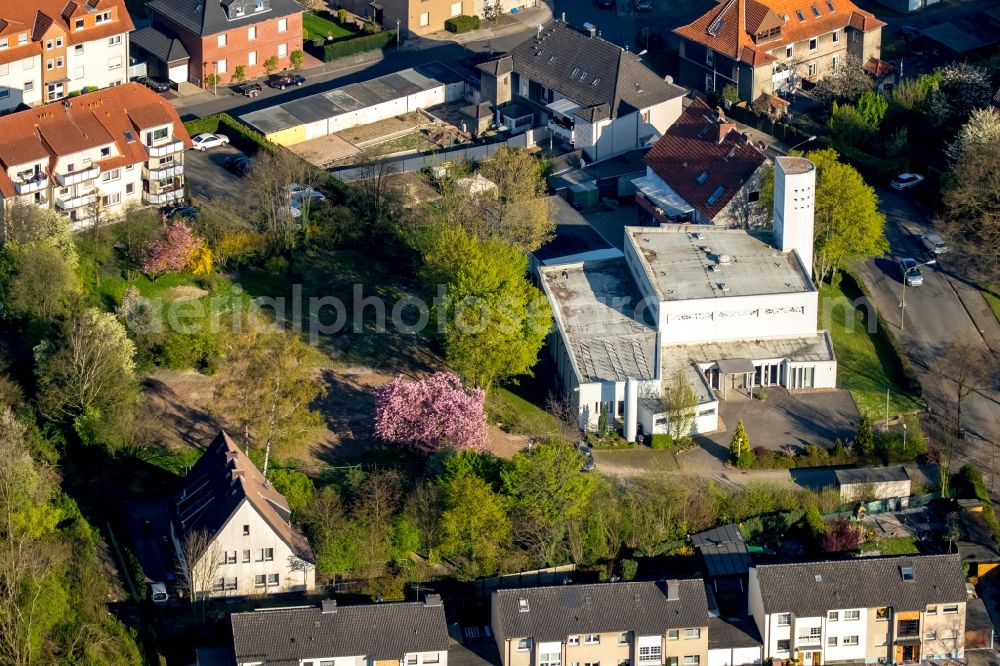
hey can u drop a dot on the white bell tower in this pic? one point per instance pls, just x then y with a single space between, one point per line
795 207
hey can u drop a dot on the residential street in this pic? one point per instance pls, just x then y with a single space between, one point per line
945 308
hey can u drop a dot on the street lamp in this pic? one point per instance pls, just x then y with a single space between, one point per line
801 143
904 437
397 35
902 300
215 81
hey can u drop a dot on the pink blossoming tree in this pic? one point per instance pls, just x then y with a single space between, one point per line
433 414
172 250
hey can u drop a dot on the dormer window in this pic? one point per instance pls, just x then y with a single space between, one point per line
78 25
258 5
22 39
239 10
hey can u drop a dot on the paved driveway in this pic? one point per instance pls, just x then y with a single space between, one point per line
207 178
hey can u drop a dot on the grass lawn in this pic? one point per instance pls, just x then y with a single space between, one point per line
415 141
640 459
862 368
893 546
992 295
317 26
519 416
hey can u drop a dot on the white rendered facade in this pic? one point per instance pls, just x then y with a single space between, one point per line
101 63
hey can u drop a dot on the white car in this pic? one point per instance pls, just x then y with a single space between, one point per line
301 192
205 141
905 181
934 243
158 594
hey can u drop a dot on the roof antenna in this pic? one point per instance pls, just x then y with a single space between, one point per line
539 30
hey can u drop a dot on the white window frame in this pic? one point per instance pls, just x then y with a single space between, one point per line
425 19
523 644
951 609
29 86
453 6
573 640
852 615
282 50
252 58
692 632
836 36
251 33
692 660
813 43
832 616
673 634
221 40
850 641
784 619
221 66
592 639
831 641
282 25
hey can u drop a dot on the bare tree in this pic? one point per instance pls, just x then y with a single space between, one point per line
680 403
561 407
296 563
846 82
270 194
968 368
377 499
374 185
519 212
197 567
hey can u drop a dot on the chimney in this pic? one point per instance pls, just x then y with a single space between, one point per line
237 473
724 129
329 606
673 590
720 115
432 600
591 29
564 17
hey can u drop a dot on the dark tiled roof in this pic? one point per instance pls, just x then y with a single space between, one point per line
573 233
556 612
219 483
976 616
691 147
723 550
732 632
589 70
809 589
377 631
871 475
161 46
208 17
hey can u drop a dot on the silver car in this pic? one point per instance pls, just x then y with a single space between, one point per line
912 275
934 243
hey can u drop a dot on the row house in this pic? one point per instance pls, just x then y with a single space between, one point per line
218 36
590 93
873 610
396 634
661 623
416 18
92 155
233 531
50 48
762 46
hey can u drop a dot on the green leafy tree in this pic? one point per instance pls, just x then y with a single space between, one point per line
88 364
518 213
739 447
297 488
475 529
848 222
872 106
212 81
864 439
297 58
849 125
495 320
549 490
680 402
239 73
41 284
271 65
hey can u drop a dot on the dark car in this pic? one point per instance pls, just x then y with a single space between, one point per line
286 81
239 164
248 89
605 3
155 85
186 212
643 5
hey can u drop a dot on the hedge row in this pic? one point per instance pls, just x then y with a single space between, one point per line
911 381
874 169
972 479
361 44
460 24
240 136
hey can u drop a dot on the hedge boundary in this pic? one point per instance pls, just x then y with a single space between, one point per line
240 136
462 23
351 46
911 381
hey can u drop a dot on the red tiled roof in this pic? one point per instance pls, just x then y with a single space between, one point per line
37 16
691 147
879 68
731 26
77 123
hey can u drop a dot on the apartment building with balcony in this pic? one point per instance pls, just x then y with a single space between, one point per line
662 623
762 46
91 156
591 94
873 609
50 48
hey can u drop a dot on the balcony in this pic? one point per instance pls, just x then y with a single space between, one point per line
561 131
77 177
161 150
72 203
33 183
162 173
161 198
780 75
808 641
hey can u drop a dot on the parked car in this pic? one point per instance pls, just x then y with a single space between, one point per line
156 85
248 89
186 212
239 164
589 464
605 3
207 140
158 594
301 192
643 5
905 181
934 243
912 275
286 81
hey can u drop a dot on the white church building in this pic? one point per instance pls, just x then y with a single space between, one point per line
731 309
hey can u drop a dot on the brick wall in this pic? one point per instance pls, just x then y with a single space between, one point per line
239 47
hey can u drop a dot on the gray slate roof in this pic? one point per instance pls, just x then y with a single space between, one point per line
556 612
208 17
810 589
871 475
159 45
377 631
732 632
607 80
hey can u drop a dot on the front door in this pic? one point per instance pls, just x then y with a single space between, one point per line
911 653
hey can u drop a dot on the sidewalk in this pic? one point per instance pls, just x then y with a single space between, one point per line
511 23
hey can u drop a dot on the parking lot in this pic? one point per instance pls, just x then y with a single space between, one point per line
207 178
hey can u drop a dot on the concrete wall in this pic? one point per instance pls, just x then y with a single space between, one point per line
102 63
949 632
738 318
740 211
882 490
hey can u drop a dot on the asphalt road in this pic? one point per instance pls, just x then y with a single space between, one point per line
623 25
936 313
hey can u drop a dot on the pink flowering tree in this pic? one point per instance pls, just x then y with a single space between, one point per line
172 250
431 414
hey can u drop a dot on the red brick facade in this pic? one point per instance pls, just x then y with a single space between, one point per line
206 53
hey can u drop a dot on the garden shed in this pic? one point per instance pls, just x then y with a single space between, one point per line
872 483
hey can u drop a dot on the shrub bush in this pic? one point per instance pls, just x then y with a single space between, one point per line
629 569
662 441
460 24
357 45
240 136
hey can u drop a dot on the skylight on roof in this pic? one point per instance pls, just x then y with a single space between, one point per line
906 573
576 70
800 15
830 5
129 137
522 605
715 195
815 11
595 81
552 60
702 177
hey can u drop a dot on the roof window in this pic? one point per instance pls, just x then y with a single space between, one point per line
815 11
595 81
906 573
522 606
715 195
830 5
552 60
800 15
576 70
702 177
